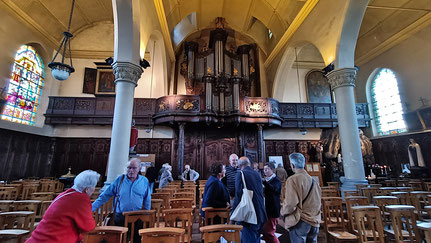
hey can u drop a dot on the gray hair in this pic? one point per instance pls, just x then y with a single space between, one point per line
298 160
134 160
243 161
87 178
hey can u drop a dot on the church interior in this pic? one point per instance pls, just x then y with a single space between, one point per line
343 82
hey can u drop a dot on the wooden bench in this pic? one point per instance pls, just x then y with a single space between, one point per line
111 234
212 233
161 234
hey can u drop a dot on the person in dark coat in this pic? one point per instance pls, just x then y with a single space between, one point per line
250 233
215 194
151 175
272 191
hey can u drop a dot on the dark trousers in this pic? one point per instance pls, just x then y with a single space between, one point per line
119 221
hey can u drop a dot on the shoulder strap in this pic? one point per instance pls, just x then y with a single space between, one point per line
243 180
62 196
309 191
118 194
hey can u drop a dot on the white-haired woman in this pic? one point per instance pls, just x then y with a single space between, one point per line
69 214
166 176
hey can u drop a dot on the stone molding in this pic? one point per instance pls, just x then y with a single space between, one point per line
127 72
342 77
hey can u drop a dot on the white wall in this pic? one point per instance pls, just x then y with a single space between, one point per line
410 60
291 134
13 34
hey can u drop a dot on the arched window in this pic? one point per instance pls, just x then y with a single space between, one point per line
386 101
25 87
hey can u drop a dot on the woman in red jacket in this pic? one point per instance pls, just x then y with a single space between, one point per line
69 214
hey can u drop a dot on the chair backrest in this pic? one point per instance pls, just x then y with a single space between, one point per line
17 220
111 234
386 191
351 202
427 186
403 218
6 205
212 213
47 185
161 234
369 224
359 186
5 195
59 186
383 201
419 199
27 205
157 204
403 197
161 195
212 233
14 235
180 218
42 196
402 182
181 203
43 207
391 183
28 189
416 185
333 213
103 211
148 218
329 192
351 193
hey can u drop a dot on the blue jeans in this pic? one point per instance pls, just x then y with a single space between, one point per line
303 232
250 233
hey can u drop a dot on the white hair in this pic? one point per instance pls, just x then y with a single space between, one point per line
298 160
243 161
166 165
87 178
134 160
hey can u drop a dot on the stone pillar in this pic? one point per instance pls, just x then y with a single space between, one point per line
180 151
261 144
126 77
342 82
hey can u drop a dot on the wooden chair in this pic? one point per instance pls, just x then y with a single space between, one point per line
181 203
47 185
165 196
111 234
58 186
17 220
403 223
27 205
403 197
382 202
180 218
402 183
389 183
333 216
42 196
404 189
189 195
419 199
216 213
351 202
6 193
13 235
416 185
148 218
369 223
101 213
6 205
43 207
329 193
359 187
351 193
162 234
386 191
16 192
28 189
427 186
212 233
157 204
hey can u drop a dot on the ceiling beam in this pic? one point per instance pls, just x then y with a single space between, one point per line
299 19
165 28
397 8
394 40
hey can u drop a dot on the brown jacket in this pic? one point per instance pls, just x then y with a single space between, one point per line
296 189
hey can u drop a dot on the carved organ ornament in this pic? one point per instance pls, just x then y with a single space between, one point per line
223 76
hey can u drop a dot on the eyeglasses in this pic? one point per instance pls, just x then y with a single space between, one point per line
132 168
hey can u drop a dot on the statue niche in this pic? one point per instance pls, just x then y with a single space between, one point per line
214 67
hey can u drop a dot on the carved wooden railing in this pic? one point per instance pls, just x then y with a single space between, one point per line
191 108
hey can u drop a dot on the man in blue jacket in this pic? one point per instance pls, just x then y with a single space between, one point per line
132 192
250 233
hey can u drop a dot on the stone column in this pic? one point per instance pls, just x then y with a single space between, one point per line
180 151
126 77
342 82
261 144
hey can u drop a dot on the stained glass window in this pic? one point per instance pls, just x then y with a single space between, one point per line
25 87
386 101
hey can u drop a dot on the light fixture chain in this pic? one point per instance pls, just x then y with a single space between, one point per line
70 17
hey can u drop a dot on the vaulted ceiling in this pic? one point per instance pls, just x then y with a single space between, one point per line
386 22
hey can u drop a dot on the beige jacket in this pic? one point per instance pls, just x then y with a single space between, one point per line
296 189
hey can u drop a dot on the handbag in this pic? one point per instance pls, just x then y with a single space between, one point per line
288 221
109 219
245 211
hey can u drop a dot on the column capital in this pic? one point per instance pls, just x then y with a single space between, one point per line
342 77
127 72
